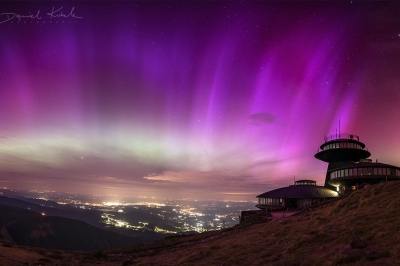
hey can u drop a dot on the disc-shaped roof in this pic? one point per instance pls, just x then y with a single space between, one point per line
365 164
302 192
342 154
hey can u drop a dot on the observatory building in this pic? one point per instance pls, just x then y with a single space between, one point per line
348 169
303 193
349 166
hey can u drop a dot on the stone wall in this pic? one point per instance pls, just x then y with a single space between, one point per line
253 216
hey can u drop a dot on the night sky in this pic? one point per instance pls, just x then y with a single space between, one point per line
201 100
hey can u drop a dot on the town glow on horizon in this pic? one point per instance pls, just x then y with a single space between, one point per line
200 100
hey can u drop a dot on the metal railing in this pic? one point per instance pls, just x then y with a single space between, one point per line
319 148
341 136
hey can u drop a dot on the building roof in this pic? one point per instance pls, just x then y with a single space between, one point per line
303 192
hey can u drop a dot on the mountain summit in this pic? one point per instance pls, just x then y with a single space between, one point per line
361 229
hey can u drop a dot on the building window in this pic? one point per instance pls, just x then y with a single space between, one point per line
379 171
365 171
375 171
346 172
359 171
355 171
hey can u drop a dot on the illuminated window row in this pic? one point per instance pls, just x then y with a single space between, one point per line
270 201
343 145
365 171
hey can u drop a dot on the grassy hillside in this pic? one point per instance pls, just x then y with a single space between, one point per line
319 237
359 230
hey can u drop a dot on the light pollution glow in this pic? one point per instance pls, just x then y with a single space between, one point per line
221 100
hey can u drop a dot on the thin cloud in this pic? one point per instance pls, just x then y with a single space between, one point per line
260 119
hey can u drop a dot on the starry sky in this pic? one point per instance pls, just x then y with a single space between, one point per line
202 100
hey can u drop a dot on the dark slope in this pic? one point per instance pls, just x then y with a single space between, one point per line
88 216
27 227
91 217
46 203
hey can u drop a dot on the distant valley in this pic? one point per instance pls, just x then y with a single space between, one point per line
46 222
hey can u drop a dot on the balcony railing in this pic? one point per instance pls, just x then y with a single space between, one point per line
341 146
341 136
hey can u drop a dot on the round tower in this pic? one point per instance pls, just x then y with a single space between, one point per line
342 147
341 150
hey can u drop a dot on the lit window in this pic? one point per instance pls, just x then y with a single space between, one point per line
359 171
